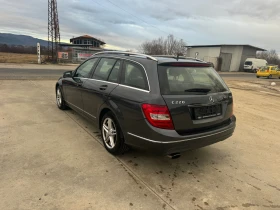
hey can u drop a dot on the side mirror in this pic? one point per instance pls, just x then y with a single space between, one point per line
67 74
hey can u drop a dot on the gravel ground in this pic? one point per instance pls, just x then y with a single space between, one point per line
53 159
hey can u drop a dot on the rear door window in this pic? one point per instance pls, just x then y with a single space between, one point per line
114 75
134 76
189 80
104 68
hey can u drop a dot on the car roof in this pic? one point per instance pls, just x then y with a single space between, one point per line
158 58
169 59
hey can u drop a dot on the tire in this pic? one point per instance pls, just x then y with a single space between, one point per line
60 99
269 77
258 77
114 141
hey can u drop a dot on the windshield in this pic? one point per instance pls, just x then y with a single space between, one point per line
264 68
248 63
189 80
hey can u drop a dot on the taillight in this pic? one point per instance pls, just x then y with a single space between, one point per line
158 116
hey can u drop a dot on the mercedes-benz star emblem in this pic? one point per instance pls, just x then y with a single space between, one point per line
211 99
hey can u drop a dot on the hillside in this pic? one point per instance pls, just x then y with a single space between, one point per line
13 39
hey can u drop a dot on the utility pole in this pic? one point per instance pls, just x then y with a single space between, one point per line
53 31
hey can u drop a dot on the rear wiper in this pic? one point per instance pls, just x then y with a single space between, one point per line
200 90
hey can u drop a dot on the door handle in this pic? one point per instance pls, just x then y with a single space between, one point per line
103 87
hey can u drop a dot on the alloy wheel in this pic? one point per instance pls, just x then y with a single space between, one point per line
58 97
109 133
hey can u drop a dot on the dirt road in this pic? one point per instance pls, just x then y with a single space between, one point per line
50 159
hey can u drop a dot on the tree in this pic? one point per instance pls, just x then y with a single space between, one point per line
270 56
161 46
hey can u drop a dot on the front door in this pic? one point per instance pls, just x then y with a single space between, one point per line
226 61
72 86
96 90
274 71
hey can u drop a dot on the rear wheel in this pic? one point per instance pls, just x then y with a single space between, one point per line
112 135
269 77
59 99
258 77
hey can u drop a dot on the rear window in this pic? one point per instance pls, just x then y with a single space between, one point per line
248 63
189 80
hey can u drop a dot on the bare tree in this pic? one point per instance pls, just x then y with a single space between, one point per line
270 56
161 46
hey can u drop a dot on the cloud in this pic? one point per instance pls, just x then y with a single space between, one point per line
126 24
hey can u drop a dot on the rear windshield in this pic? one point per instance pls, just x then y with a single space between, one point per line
189 80
248 63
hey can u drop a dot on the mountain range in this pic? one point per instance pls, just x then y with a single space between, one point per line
13 39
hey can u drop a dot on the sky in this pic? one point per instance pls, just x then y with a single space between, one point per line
125 24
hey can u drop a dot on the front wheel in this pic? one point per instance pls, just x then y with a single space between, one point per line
258 77
112 135
59 99
269 77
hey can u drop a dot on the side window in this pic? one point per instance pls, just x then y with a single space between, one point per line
103 68
114 75
84 70
134 76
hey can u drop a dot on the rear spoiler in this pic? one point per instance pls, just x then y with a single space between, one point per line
185 64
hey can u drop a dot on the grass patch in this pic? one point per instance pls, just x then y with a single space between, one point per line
17 58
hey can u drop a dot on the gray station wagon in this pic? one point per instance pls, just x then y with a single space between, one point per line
167 104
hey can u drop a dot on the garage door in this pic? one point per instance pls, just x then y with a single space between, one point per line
226 61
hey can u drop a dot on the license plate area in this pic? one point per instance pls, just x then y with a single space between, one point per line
204 112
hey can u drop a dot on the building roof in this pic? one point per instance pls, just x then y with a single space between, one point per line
87 37
232 45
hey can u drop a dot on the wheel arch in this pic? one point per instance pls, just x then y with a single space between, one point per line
105 109
101 115
59 84
56 85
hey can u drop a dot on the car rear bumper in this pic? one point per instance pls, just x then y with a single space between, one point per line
173 144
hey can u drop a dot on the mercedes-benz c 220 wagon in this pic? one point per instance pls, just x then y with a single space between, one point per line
164 103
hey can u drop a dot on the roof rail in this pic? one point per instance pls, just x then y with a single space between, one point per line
178 57
127 54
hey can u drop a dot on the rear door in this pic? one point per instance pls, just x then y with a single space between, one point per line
196 96
72 86
96 89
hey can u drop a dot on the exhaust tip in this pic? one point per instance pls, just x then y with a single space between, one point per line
174 155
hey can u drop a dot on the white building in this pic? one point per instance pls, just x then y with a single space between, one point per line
224 57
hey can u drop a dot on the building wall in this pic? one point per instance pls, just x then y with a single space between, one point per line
239 54
204 52
248 52
236 52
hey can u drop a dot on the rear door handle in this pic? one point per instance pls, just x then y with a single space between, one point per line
103 87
